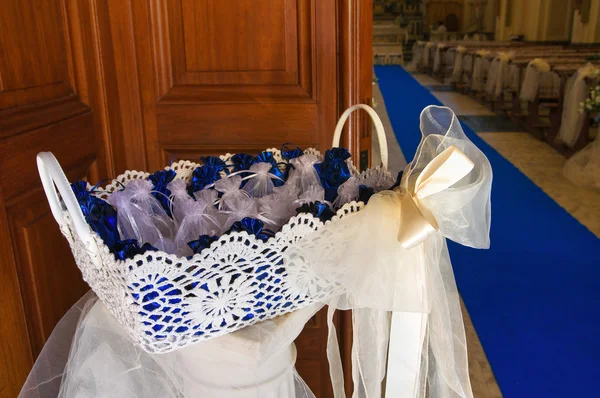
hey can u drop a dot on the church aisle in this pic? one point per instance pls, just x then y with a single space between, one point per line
531 295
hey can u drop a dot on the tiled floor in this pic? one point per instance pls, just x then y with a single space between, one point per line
542 164
427 80
462 105
440 88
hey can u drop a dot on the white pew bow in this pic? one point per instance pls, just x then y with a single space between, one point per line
392 256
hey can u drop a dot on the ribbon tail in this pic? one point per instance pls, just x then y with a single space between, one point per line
416 226
370 333
336 371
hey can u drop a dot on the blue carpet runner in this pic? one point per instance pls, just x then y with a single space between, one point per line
534 297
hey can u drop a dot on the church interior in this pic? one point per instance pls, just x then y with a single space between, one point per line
510 70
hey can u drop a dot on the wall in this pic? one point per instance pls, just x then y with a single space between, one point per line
436 10
489 16
588 32
555 26
537 20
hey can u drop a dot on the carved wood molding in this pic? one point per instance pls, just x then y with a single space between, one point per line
292 82
17 120
355 60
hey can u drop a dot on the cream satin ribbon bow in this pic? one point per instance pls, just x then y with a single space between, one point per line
417 222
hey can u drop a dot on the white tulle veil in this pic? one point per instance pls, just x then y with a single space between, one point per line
90 355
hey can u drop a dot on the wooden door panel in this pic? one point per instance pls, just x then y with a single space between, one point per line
34 72
249 43
238 123
68 141
248 37
50 280
48 102
222 75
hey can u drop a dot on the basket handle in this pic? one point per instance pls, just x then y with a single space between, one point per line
52 176
337 135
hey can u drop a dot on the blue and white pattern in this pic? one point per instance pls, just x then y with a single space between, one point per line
167 302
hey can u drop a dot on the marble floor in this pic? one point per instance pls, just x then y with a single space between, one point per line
538 161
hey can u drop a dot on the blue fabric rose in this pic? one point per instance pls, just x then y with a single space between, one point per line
288 154
203 242
160 180
253 227
101 216
333 171
365 193
320 210
129 248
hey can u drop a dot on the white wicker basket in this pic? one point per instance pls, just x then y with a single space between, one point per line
167 302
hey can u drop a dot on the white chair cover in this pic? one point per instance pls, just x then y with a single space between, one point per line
531 83
576 91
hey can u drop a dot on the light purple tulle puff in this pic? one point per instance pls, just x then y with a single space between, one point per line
142 217
378 179
230 190
260 183
347 192
314 193
276 209
194 217
179 196
303 173
238 209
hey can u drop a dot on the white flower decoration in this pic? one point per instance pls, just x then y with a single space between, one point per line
223 300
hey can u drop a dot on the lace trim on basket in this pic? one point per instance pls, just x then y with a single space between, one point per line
166 302
184 170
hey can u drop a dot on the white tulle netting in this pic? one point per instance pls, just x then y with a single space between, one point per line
104 361
358 263
389 255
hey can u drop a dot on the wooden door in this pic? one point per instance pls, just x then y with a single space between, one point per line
48 100
207 77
